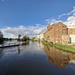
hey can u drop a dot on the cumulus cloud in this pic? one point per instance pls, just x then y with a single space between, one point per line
30 31
70 21
38 28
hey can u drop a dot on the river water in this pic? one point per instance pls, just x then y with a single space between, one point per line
36 59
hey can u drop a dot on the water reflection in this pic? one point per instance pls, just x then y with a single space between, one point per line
19 51
1 53
21 60
58 57
35 59
25 42
12 49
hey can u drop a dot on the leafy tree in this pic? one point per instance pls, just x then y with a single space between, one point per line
1 37
19 37
33 39
25 38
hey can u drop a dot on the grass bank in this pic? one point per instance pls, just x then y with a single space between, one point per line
61 47
47 43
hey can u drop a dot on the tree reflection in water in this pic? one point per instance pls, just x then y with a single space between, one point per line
19 51
23 44
1 52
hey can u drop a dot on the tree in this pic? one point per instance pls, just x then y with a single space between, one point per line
33 39
1 37
25 38
19 37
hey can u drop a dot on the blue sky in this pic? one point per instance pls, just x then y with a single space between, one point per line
22 15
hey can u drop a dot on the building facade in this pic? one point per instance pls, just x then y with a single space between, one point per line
39 37
71 33
57 33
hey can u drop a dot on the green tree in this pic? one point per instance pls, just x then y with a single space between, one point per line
1 37
25 38
19 37
33 39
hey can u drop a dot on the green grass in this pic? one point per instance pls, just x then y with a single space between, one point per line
65 48
47 43
61 47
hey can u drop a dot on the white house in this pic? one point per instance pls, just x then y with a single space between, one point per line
40 37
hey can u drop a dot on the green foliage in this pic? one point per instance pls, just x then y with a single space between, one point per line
1 38
1 35
65 48
47 43
61 47
19 37
25 38
33 39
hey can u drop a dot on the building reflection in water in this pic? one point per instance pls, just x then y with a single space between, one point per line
58 57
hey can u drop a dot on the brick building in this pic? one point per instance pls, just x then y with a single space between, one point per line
71 33
49 33
57 33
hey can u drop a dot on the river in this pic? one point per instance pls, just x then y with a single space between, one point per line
36 59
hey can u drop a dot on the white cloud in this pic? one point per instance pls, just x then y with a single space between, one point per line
52 21
38 28
69 13
70 21
30 31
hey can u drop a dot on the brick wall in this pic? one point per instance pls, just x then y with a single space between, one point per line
54 33
71 31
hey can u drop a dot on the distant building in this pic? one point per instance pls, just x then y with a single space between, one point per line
40 37
71 31
36 38
57 33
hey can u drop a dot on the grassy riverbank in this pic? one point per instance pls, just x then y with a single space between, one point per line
61 47
47 43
